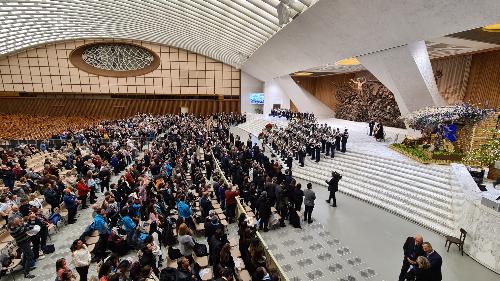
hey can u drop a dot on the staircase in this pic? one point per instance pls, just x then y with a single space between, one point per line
256 125
425 194
422 194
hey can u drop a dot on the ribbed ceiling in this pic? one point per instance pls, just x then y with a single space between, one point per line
225 30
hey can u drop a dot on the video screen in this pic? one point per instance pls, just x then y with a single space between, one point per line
257 98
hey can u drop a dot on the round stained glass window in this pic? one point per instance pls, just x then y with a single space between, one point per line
117 57
114 59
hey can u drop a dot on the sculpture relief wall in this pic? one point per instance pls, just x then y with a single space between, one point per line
374 102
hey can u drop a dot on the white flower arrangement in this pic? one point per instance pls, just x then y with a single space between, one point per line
431 117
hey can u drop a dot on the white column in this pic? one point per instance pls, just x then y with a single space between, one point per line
407 72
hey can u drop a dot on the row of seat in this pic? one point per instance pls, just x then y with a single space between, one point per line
25 126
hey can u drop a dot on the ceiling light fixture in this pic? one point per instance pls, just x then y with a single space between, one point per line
303 73
492 28
348 61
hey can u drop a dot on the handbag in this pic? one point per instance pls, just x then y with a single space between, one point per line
48 249
173 253
200 250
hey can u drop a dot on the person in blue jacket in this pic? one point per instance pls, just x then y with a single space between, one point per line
128 225
71 203
100 224
168 169
184 212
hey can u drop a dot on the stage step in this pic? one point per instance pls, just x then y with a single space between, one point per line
417 192
410 212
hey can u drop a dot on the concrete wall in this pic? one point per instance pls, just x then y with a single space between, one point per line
274 94
249 85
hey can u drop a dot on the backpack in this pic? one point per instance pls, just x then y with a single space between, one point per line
173 253
169 274
54 218
200 250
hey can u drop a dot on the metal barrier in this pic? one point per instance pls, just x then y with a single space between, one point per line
271 262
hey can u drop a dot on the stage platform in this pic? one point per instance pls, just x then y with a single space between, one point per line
429 197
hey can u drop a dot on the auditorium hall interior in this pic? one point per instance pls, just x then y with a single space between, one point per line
250 140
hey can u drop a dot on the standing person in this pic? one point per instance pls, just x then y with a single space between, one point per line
298 196
317 150
435 260
333 187
205 205
81 258
230 197
100 224
18 230
62 269
371 125
309 197
302 155
338 136
83 191
186 242
51 197
264 211
344 138
71 203
422 271
412 249
105 176
208 169
332 148
379 132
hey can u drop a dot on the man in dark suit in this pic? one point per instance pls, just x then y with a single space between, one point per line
333 187
435 260
412 250
371 125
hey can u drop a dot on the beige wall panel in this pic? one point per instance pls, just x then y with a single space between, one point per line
48 69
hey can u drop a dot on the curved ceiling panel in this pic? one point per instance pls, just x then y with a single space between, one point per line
225 30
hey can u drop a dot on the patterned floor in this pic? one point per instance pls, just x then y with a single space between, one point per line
312 253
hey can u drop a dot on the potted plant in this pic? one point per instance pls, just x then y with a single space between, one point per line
486 155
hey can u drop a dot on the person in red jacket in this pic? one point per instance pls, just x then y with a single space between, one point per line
230 196
83 191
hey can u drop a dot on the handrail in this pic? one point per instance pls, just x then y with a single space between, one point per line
271 262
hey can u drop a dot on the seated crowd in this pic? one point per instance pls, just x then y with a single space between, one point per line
29 127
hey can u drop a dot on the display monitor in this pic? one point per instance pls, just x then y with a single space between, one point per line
257 98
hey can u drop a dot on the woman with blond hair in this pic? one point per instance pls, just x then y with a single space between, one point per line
422 272
186 242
